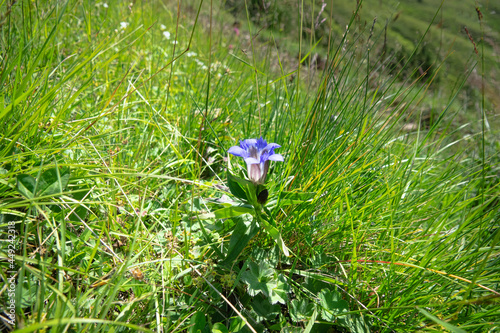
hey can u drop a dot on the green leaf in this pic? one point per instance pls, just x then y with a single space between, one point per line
332 304
237 325
28 293
53 181
219 328
262 280
237 186
26 185
279 293
233 211
276 235
446 325
259 278
197 322
251 191
310 324
243 189
301 310
264 309
359 325
243 232
227 212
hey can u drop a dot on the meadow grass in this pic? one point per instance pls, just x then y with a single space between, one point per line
116 119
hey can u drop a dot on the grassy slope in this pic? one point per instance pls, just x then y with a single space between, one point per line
406 22
398 221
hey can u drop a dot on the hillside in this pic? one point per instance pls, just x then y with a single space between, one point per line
184 167
433 39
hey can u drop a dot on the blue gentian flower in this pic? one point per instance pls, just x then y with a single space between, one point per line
257 154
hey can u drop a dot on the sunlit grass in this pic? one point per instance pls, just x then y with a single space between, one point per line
116 119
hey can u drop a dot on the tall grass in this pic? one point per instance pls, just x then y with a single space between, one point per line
116 119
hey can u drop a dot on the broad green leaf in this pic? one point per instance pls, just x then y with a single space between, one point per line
242 189
243 232
301 310
259 278
53 181
237 325
279 293
197 322
264 309
237 186
219 328
26 185
332 304
233 211
359 324
227 212
28 293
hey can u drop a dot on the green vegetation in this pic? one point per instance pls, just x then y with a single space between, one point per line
121 209
441 41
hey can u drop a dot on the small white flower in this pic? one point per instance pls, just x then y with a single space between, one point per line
124 25
175 42
190 54
166 34
105 5
162 27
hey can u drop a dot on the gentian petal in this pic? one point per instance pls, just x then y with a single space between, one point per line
272 146
261 143
251 160
276 157
254 173
264 155
237 151
248 142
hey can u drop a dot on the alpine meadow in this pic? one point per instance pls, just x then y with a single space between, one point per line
249 166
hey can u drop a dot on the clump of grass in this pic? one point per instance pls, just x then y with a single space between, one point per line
116 119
